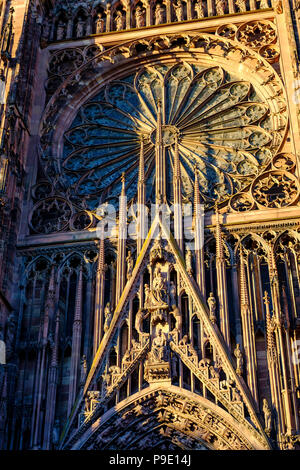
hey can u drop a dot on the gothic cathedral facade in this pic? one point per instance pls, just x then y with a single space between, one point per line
150 224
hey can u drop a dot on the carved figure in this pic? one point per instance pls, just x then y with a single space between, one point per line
158 350
159 287
199 9
189 261
140 17
80 28
239 360
177 315
60 33
172 293
179 10
242 5
212 304
220 7
107 316
267 416
264 4
119 21
159 14
130 264
100 23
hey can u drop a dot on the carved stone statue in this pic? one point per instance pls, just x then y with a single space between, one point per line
139 320
199 9
80 28
239 360
100 24
158 349
107 316
268 417
220 7
242 5
119 21
60 33
212 304
159 287
177 315
130 264
159 14
140 17
236 395
189 261
179 10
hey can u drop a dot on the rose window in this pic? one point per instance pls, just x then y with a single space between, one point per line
222 126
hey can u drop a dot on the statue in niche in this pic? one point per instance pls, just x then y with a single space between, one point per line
141 314
140 17
177 315
212 304
60 33
199 9
100 24
220 7
147 301
107 317
242 5
80 28
264 4
239 360
158 349
119 21
267 416
156 250
179 10
159 14
189 261
130 265
172 292
236 395
159 286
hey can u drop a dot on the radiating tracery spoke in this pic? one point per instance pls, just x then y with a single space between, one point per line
218 121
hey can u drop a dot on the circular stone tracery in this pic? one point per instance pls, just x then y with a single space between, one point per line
220 122
168 134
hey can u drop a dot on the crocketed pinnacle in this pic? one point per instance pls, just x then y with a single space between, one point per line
243 284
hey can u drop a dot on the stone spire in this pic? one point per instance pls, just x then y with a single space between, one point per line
99 297
248 331
121 252
160 165
178 231
76 342
198 225
141 200
221 282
